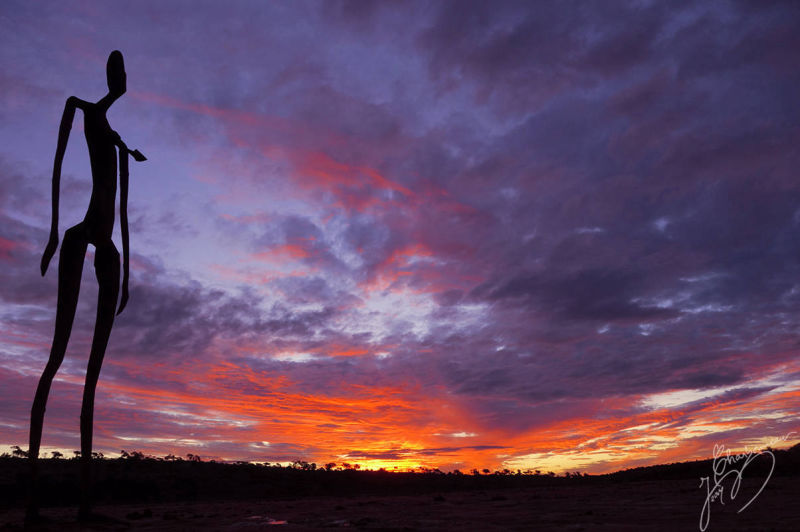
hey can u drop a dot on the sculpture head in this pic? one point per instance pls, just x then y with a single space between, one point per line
115 73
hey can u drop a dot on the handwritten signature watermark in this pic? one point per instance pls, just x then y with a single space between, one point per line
729 466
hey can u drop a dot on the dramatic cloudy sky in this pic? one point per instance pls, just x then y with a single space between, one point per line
551 235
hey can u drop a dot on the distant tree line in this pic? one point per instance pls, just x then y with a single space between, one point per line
298 464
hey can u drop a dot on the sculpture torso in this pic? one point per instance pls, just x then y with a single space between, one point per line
99 219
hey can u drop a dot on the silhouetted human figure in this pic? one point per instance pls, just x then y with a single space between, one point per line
96 229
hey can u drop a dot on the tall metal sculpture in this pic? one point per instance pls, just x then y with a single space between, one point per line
95 229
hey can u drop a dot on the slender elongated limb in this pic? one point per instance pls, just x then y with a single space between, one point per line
63 137
70 267
123 218
106 265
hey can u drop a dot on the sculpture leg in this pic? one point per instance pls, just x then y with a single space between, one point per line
70 267
106 264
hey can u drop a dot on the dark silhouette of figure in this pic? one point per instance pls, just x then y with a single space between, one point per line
95 229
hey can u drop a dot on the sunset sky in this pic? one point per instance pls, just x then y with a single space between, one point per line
545 235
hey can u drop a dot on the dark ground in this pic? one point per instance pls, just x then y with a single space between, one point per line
155 495
645 505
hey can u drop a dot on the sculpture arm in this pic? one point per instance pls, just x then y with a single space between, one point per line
137 155
61 148
123 217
